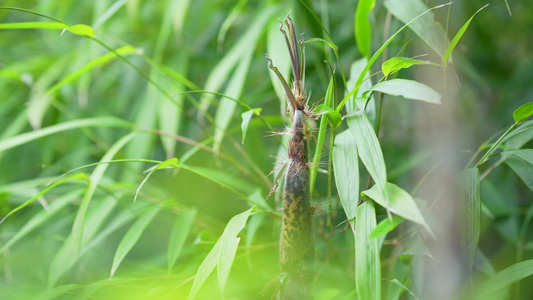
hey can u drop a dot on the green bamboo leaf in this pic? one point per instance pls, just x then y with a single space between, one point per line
362 26
173 162
34 25
82 30
506 277
81 123
330 44
368 147
346 167
221 255
367 262
409 89
457 37
523 112
246 117
395 64
180 231
470 197
425 27
132 236
277 51
386 226
508 8
521 162
78 176
41 217
334 117
398 201
96 176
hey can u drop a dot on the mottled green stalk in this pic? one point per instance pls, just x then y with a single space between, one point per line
297 242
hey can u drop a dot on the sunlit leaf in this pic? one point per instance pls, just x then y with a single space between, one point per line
523 112
82 30
180 231
386 226
398 202
470 197
453 43
132 236
367 262
362 26
221 255
173 162
346 167
33 25
409 89
395 64
246 117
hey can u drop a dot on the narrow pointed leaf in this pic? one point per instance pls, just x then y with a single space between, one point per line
246 117
132 236
362 26
82 30
221 255
173 162
346 167
506 277
395 64
367 262
523 112
409 89
470 192
386 226
180 231
334 117
457 37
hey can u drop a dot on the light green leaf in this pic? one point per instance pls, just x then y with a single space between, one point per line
523 112
508 8
78 176
346 167
34 25
180 231
506 277
425 27
132 236
470 193
399 284
362 26
453 43
397 201
80 123
395 64
334 117
409 89
221 255
82 30
277 51
386 226
521 162
246 117
368 147
56 292
367 263
96 176
173 162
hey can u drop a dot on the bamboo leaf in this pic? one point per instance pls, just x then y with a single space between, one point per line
395 64
523 112
96 176
362 26
221 255
334 117
469 188
506 277
330 44
173 162
521 162
397 201
33 25
367 262
457 37
409 89
180 231
81 123
82 30
386 226
368 147
346 167
246 117
425 27
132 236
